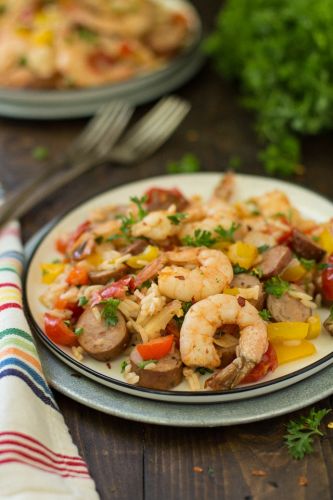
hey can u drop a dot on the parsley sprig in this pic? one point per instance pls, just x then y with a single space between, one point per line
201 238
276 286
300 433
265 314
177 218
109 311
127 221
227 234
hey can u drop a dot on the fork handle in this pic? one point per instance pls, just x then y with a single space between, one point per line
24 199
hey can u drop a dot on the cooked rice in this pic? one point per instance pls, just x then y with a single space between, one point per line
96 313
71 295
129 308
249 293
299 295
131 378
87 291
159 321
152 303
150 366
192 379
78 353
134 327
318 299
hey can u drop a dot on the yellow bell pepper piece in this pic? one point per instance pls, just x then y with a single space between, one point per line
231 291
314 327
44 37
287 330
286 353
95 259
222 245
50 271
326 241
242 254
293 273
141 260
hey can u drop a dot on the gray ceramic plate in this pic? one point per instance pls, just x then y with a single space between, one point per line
56 104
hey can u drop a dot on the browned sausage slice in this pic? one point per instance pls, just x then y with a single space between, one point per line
243 280
101 341
287 308
104 276
275 260
166 374
135 248
304 247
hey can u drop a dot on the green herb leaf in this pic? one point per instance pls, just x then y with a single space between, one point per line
227 234
263 248
68 322
265 314
276 286
123 366
86 34
201 238
187 164
177 218
139 202
78 331
83 301
203 371
40 153
300 433
142 364
256 271
109 311
239 269
309 264
23 61
324 265
185 307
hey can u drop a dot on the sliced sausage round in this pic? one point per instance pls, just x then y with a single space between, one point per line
164 375
104 276
101 341
287 308
243 280
275 260
304 247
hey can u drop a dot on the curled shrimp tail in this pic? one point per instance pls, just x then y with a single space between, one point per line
231 375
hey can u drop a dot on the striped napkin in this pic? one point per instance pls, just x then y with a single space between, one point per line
38 459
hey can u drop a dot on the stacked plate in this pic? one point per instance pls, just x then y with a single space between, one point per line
56 104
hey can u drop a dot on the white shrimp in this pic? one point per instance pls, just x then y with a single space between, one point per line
156 225
197 338
203 272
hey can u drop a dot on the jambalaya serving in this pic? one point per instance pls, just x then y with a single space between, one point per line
182 288
84 43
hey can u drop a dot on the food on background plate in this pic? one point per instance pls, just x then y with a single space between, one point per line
84 43
216 292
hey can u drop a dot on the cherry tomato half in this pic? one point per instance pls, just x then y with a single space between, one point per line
156 348
58 331
327 279
268 363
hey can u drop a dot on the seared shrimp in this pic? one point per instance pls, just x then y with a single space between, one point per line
197 338
208 272
156 225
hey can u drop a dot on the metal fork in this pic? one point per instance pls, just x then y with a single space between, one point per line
145 137
106 127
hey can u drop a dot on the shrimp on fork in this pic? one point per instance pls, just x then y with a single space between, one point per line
197 338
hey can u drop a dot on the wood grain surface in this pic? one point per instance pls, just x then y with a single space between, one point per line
136 461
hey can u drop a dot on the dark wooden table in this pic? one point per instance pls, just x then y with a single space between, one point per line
131 460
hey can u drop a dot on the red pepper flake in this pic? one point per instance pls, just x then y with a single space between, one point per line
303 481
258 473
180 278
197 469
241 301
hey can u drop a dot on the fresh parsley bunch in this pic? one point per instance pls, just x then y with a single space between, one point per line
281 53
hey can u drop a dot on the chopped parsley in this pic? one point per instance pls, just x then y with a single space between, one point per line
257 272
203 371
263 248
40 153
187 164
123 365
146 284
23 61
83 301
276 286
185 307
308 264
227 234
201 238
177 218
146 362
300 433
265 314
239 269
139 202
78 331
109 311
86 34
323 265
67 322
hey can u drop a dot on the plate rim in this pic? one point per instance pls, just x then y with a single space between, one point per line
142 390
